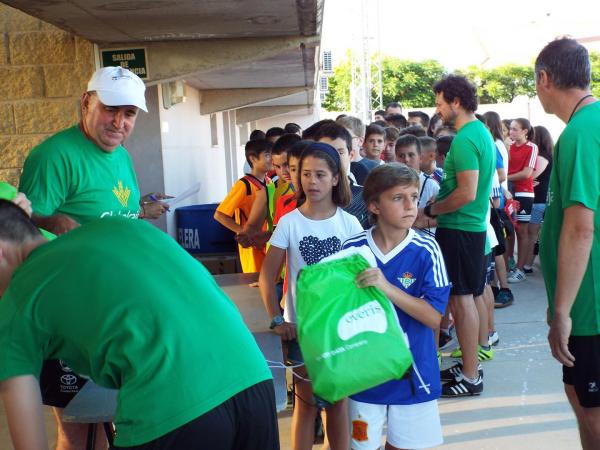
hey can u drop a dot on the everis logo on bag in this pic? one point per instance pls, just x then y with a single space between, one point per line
368 317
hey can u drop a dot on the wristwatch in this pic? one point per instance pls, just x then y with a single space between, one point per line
427 211
276 321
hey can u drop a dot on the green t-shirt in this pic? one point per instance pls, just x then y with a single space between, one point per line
69 174
575 180
121 302
472 149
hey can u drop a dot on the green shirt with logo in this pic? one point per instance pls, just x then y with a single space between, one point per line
69 174
472 149
575 180
121 302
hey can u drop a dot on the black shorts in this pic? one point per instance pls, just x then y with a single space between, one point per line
524 211
584 376
59 384
247 421
465 260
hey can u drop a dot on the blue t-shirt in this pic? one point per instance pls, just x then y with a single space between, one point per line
417 267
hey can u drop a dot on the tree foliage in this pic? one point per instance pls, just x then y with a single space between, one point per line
411 82
502 84
408 82
595 60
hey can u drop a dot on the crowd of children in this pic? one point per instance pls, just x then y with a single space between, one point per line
340 184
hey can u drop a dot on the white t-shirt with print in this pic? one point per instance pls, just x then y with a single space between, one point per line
307 242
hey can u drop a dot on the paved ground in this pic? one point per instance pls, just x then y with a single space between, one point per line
523 405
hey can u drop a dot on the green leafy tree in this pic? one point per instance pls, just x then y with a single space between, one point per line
408 82
502 84
595 60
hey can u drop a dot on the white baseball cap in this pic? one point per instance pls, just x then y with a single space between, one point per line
117 86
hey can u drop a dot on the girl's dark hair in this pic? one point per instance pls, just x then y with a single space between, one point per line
341 194
384 177
544 142
443 144
493 122
432 123
506 123
526 125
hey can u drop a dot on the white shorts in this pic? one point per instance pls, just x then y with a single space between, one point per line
408 426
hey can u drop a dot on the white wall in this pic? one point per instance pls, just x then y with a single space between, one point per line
188 156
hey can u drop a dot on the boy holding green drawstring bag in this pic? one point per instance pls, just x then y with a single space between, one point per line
410 272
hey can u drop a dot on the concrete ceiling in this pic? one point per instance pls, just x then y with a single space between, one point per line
105 21
284 70
181 23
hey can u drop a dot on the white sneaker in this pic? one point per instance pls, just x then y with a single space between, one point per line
493 338
517 276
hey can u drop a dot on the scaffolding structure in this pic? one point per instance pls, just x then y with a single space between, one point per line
366 86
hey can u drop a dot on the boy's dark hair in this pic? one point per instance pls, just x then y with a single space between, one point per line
447 128
274 131
341 194
526 125
284 143
340 116
381 123
427 143
443 144
15 225
257 134
432 123
256 147
391 133
566 62
310 132
384 177
397 120
415 130
379 112
374 129
458 87
292 127
334 131
422 116
492 121
296 150
406 141
544 142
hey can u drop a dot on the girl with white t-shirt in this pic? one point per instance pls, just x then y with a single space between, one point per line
313 231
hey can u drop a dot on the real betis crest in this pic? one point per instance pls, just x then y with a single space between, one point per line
407 279
122 193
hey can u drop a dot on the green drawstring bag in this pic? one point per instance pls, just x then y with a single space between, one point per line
350 337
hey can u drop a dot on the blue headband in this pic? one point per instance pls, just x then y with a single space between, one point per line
329 151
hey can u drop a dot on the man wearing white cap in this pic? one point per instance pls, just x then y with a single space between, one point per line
81 174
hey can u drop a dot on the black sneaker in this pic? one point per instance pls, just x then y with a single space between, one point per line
444 340
505 298
462 388
454 373
495 290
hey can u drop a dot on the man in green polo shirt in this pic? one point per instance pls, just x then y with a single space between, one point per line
189 373
570 242
461 210
81 174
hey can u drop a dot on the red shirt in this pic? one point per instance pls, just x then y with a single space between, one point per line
522 156
284 205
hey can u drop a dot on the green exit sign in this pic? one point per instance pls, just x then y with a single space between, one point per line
133 59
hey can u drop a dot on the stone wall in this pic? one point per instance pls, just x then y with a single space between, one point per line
43 71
